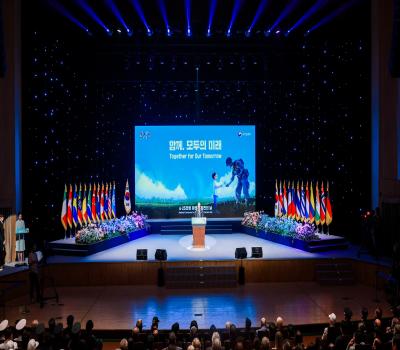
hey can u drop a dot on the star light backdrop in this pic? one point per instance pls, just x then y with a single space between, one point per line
308 97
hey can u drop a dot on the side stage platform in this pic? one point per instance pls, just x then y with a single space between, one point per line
215 226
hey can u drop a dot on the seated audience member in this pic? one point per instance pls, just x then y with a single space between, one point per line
216 343
278 340
396 342
344 337
196 343
175 328
264 345
256 343
154 323
123 344
8 343
355 341
139 325
332 331
263 330
32 344
364 319
193 332
298 339
172 342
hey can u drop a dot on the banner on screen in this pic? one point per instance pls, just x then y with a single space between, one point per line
177 167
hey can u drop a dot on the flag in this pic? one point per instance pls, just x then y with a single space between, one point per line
281 208
307 206
289 201
93 203
102 216
84 206
276 199
298 202
302 203
98 203
285 202
311 211
127 198
110 215
106 202
75 207
80 216
89 205
69 210
328 218
64 219
323 205
317 205
113 203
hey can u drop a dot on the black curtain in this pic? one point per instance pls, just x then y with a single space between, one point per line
395 51
2 49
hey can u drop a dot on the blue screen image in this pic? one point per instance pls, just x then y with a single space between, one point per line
177 167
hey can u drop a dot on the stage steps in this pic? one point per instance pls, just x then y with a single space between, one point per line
201 277
334 273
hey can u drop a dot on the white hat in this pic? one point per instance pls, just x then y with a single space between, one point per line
3 325
332 317
20 324
32 344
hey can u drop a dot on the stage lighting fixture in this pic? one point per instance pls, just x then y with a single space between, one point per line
189 32
277 32
247 33
228 33
149 31
169 32
119 31
208 32
129 32
267 32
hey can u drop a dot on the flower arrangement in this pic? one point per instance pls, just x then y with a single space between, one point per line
97 232
280 226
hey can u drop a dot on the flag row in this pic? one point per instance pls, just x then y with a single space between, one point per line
302 203
83 205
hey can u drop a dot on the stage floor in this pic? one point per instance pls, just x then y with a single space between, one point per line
219 247
118 307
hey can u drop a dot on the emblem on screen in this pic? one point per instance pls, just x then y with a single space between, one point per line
241 134
144 135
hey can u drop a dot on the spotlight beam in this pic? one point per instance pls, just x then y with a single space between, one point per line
187 10
213 6
235 11
67 14
332 15
259 12
163 11
85 6
117 14
286 11
139 10
311 11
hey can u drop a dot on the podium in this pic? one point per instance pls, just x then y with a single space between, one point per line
199 232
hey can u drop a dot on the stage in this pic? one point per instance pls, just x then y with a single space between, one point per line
220 247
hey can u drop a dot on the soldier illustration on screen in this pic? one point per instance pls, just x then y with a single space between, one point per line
242 175
216 186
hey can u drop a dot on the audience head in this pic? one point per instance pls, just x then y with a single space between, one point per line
298 338
256 343
364 313
214 336
70 321
196 343
378 313
264 343
172 338
239 346
32 344
89 326
216 343
279 322
193 331
332 318
193 324
123 344
190 347
286 345
136 330
247 323
139 324
213 328
228 325
348 314
175 327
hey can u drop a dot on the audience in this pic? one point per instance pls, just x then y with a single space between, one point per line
367 334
